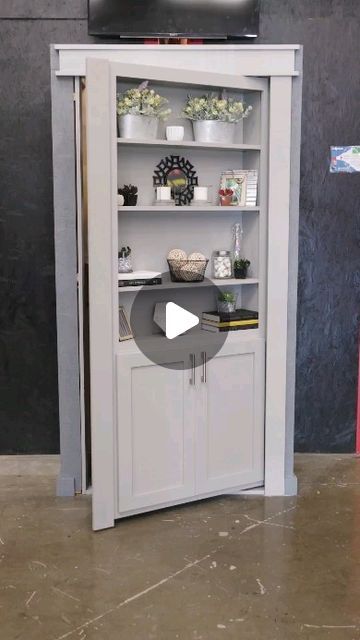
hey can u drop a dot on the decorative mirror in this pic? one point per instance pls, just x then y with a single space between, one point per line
179 174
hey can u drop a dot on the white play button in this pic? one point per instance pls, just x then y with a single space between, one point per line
175 320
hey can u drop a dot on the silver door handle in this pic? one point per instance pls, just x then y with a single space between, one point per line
193 369
203 358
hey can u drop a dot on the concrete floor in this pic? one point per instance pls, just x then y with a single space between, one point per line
235 568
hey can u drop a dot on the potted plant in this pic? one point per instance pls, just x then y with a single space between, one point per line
130 194
241 268
226 302
226 196
139 111
214 117
124 260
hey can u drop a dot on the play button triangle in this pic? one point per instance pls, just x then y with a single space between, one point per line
178 320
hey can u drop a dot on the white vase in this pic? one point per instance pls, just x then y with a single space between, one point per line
214 131
138 127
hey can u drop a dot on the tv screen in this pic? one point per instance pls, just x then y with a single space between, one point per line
211 19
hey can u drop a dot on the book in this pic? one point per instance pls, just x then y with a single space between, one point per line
234 323
125 332
238 314
216 329
139 278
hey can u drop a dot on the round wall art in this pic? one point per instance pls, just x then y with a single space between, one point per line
179 174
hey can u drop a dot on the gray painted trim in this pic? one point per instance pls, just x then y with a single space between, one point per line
62 90
290 478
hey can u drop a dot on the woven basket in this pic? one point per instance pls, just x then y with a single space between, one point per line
187 270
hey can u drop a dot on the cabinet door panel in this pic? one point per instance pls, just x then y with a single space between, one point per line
230 429
155 432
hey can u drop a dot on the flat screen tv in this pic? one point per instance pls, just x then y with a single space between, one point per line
208 19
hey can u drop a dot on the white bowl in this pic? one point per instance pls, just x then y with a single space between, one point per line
175 133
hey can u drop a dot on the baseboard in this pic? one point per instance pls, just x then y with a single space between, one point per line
65 487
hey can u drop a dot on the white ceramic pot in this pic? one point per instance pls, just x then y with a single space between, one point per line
214 131
175 133
138 127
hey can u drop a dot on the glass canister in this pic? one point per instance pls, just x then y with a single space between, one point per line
124 260
222 265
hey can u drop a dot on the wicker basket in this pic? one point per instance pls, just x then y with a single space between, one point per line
187 270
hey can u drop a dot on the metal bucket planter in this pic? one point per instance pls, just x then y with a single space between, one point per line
138 127
214 131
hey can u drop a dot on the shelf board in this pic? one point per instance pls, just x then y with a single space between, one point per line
185 209
196 338
229 282
189 144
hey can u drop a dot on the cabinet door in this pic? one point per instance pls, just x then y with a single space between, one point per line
230 420
155 434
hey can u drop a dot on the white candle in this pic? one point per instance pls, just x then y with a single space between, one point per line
201 193
163 193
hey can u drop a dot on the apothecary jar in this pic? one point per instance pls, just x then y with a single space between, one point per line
222 264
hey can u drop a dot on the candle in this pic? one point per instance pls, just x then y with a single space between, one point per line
163 193
201 193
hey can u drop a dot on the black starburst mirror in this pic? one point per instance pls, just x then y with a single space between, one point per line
179 174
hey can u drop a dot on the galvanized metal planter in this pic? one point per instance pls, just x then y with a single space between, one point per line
214 131
138 127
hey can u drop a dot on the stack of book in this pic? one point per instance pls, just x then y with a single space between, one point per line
234 321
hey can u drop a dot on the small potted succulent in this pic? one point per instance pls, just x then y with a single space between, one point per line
226 196
139 111
214 117
241 268
124 260
130 195
226 302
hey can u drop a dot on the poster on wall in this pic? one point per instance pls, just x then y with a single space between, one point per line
345 159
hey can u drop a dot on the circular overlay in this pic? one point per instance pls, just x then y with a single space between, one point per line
194 347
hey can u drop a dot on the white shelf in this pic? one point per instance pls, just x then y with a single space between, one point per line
188 144
185 209
229 282
192 339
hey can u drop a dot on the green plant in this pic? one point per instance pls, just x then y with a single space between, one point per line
142 102
212 107
124 252
128 190
227 296
241 264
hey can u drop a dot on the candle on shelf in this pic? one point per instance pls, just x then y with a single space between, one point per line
163 193
201 193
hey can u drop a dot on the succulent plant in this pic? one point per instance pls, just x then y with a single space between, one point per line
227 296
241 264
127 190
124 252
130 193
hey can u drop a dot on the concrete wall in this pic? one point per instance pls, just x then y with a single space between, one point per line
328 317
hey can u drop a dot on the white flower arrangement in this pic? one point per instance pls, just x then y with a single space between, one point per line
142 102
211 107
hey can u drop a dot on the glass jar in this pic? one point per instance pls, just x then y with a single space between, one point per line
222 265
124 260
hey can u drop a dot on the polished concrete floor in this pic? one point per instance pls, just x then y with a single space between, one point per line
235 568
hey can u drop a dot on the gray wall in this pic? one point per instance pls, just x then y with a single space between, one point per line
328 318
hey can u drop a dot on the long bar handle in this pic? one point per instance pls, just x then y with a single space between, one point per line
193 369
203 376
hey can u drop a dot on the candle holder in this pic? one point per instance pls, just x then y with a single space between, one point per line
163 196
202 197
226 196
